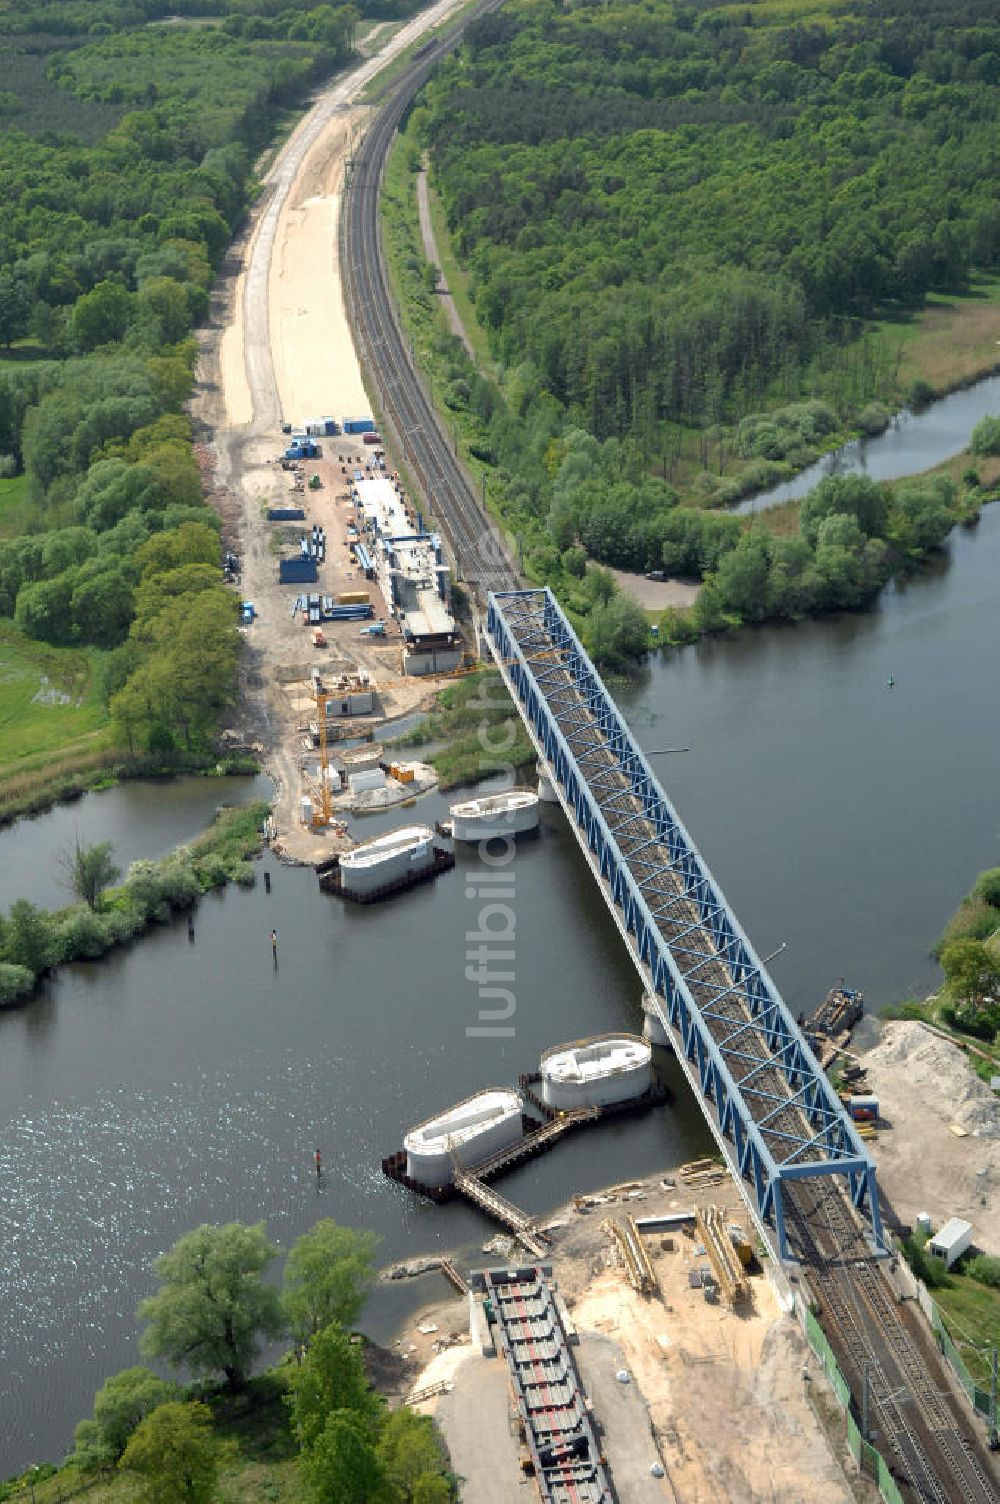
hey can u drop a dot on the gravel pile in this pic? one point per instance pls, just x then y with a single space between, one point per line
909 1055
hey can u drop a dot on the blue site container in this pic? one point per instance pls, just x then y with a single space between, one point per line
297 571
348 613
285 514
359 425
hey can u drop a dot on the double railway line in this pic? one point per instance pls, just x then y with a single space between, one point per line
477 550
886 1352
886 1356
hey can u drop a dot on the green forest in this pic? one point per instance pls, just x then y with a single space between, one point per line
688 231
126 148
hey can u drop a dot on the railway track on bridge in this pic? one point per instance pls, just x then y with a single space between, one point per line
881 1346
408 412
917 1416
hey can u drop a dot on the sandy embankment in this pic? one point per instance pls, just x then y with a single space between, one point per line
926 1087
280 348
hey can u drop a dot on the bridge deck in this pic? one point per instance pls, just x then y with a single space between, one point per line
760 1085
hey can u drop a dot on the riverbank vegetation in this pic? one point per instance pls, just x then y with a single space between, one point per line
34 941
313 1428
967 1006
480 733
129 132
692 241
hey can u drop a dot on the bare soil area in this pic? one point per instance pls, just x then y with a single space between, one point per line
719 1395
279 349
655 595
927 1089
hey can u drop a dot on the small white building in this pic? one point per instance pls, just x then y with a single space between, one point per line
951 1241
367 778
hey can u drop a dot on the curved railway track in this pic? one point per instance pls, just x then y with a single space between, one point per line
477 550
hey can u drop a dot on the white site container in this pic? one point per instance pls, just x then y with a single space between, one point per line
951 1241
469 1132
596 1072
367 778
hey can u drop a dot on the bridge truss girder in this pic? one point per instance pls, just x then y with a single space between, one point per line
758 1081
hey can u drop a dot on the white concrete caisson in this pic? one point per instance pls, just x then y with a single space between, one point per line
596 1072
467 1133
388 858
508 814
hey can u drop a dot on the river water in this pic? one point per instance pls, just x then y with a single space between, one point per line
184 1081
912 443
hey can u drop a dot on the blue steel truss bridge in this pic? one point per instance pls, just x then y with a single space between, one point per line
771 1108
769 1104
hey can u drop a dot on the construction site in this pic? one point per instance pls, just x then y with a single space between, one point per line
677 1349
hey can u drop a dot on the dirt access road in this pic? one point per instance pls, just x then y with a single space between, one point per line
279 348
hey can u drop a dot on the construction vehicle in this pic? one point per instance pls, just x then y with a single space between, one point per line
318 638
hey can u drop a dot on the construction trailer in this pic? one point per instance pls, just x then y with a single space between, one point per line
951 1241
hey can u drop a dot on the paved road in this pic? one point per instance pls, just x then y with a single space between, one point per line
481 1442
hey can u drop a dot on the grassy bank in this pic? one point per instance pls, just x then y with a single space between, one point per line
481 731
34 941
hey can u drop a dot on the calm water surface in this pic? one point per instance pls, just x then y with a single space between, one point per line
914 442
143 821
183 1082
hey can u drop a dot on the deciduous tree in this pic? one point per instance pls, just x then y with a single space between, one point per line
328 1273
213 1308
175 1454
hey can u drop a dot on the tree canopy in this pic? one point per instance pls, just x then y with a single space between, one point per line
213 1309
175 1454
328 1273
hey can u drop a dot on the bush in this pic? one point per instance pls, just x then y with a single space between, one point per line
985 1268
144 892
919 393
178 883
873 419
986 437
16 982
82 935
924 1265
124 922
988 888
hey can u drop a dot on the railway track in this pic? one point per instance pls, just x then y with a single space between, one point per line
477 550
918 1419
923 1432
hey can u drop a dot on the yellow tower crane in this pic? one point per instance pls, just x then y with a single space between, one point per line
323 817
